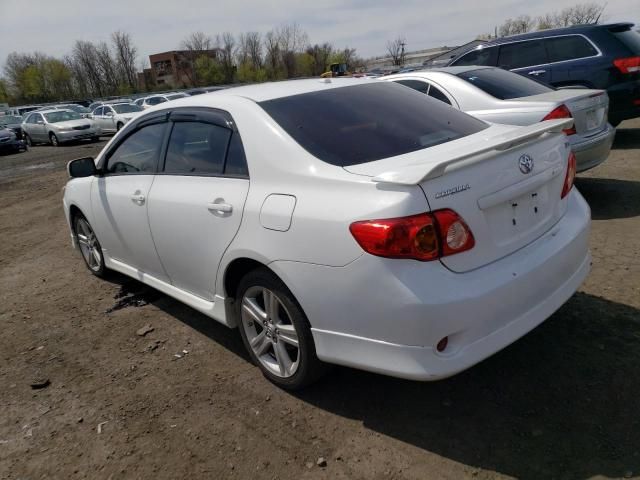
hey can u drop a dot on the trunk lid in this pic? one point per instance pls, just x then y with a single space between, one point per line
589 108
505 208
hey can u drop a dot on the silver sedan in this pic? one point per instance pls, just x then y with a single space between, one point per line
499 96
58 126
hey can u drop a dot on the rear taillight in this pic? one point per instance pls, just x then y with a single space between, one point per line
425 237
570 176
561 112
628 65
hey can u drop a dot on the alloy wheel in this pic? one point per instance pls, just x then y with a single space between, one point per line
89 245
270 331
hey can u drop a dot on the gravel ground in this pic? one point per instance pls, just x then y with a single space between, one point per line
561 403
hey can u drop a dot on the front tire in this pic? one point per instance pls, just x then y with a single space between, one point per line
54 140
275 331
27 141
89 246
119 126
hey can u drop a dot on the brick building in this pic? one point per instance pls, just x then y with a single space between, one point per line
172 69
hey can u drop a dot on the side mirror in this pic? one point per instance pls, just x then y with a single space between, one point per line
109 114
40 122
89 115
82 167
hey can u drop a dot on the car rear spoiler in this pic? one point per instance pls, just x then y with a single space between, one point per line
414 174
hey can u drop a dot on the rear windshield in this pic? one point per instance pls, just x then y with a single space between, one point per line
630 39
502 84
362 123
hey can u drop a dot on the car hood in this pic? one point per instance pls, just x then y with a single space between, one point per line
4 132
73 123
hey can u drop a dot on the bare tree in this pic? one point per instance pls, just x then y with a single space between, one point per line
126 55
85 58
321 55
272 47
292 40
395 48
108 68
193 46
515 26
227 43
580 14
254 48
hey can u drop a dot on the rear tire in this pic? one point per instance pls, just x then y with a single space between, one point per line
27 141
276 332
89 246
119 126
54 140
95 139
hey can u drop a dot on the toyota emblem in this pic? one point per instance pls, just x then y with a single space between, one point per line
525 162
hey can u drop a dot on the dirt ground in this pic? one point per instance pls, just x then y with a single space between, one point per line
562 403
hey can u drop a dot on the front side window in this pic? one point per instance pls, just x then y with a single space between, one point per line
480 56
155 100
197 148
502 84
522 54
570 47
126 108
139 152
98 111
357 124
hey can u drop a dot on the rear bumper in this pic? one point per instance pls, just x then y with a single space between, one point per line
594 150
621 98
387 316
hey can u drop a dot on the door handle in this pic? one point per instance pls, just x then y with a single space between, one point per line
138 199
536 72
220 207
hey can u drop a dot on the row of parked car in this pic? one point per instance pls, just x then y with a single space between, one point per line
61 123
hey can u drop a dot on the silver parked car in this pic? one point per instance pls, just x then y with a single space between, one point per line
500 96
111 118
58 126
161 98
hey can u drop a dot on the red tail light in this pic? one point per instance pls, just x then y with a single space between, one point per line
570 175
561 112
425 237
628 65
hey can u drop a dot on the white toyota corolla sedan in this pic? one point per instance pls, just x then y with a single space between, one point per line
346 221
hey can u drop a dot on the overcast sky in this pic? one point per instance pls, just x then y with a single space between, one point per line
159 25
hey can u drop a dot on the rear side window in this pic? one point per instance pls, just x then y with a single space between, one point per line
236 165
197 148
422 87
629 39
560 49
139 152
362 123
522 54
482 56
502 84
438 95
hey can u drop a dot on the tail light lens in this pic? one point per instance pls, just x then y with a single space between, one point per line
561 112
570 175
425 237
628 65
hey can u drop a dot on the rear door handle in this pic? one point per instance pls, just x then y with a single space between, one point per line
138 199
537 72
220 207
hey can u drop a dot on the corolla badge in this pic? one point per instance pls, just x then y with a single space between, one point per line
525 162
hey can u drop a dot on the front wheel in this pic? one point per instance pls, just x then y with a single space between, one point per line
119 126
276 332
89 246
54 140
27 141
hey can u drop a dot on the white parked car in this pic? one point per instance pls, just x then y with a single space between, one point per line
346 221
499 96
154 100
111 118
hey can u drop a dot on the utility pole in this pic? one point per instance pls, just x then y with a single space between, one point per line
402 44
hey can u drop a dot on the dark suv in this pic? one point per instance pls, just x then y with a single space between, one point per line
592 56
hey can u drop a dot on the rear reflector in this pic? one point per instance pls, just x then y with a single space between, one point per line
628 65
442 344
425 237
570 176
561 112
636 101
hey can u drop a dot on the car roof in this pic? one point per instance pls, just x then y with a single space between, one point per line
556 31
52 110
261 92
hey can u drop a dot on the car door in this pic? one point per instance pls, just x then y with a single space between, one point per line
98 117
197 200
108 116
119 197
38 129
572 59
528 58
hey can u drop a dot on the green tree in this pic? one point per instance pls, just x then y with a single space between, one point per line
208 71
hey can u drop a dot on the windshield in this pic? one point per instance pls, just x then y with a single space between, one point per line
502 84
8 119
126 108
76 108
176 95
62 116
362 123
